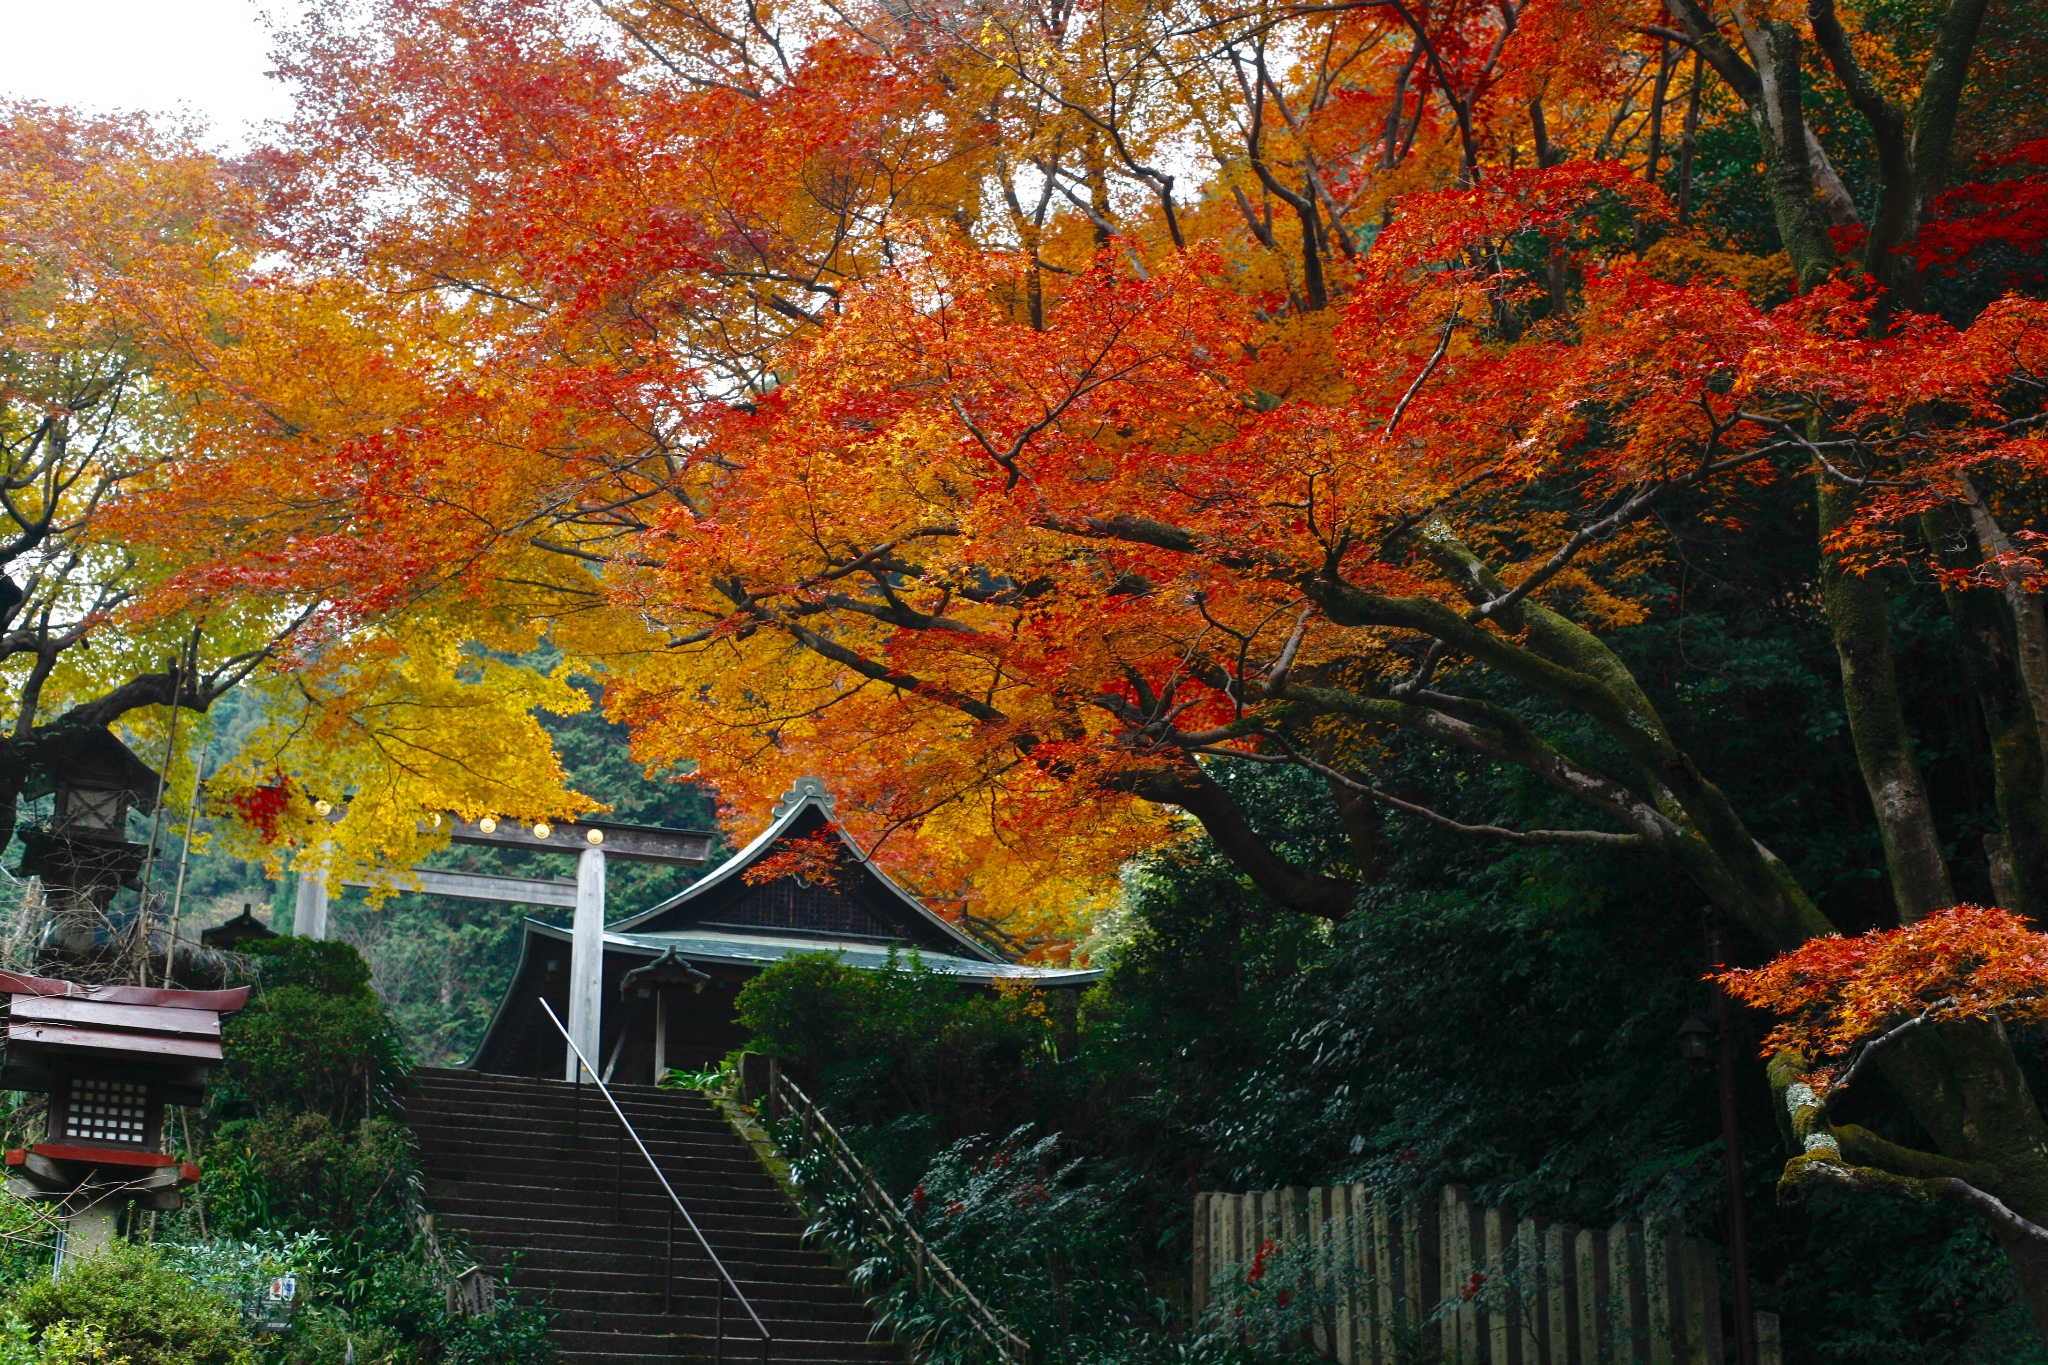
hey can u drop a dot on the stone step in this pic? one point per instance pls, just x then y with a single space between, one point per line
636 1198
464 1151
524 1178
740 1347
728 1241
594 1118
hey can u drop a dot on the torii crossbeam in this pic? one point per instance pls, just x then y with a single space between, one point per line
592 841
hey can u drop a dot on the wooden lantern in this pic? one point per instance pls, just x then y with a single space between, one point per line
109 1058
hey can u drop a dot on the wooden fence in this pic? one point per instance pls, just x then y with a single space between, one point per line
1392 1282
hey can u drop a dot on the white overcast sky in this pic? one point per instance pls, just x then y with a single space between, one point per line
200 57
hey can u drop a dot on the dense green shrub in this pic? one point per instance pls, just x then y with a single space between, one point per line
298 1173
907 1048
26 1246
65 1343
141 1306
314 1038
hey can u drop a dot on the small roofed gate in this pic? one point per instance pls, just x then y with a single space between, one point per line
1389 1282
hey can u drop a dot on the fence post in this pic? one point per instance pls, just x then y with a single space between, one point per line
1532 1303
1382 1305
1626 1284
1463 1243
1596 1300
1769 1351
1198 1300
1560 1248
1315 1225
1663 1293
1701 1274
1422 1247
1497 1288
1341 1255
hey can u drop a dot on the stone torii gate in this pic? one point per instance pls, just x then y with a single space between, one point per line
592 841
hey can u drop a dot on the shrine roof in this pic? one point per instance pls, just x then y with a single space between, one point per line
804 810
706 947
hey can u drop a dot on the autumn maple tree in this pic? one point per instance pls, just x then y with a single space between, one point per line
1013 412
128 269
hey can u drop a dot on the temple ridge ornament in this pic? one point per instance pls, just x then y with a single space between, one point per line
802 790
109 1058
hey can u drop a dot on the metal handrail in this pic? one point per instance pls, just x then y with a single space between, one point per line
725 1277
1006 1343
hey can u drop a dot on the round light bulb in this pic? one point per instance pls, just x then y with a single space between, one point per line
487 825
323 807
543 830
595 836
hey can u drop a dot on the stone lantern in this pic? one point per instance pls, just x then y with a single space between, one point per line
82 854
109 1058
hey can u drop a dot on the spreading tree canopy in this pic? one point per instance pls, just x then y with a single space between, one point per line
1012 411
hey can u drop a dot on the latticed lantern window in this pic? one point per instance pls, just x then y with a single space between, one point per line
107 1112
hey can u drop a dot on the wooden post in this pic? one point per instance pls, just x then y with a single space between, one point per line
1596 1305
1384 1303
586 959
1462 1247
1422 1239
660 1034
1322 1323
1627 1289
1663 1294
1495 1327
1294 1217
1701 1276
1198 1298
1560 1247
1346 1275
1532 1301
1769 1350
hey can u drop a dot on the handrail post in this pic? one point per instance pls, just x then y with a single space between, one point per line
668 1278
718 1326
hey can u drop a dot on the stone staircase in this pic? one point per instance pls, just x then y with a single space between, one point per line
538 1190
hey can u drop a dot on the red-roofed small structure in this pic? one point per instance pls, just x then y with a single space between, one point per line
109 1058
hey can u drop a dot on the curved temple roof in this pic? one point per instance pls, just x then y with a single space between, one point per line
805 809
714 948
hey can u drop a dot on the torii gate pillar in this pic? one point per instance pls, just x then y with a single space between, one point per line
309 910
590 840
586 959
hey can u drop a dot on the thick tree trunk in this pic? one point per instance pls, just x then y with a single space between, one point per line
1877 725
2030 625
1990 655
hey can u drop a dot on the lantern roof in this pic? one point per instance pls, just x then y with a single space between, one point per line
49 1019
96 760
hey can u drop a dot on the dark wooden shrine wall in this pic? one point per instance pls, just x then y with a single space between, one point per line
789 904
